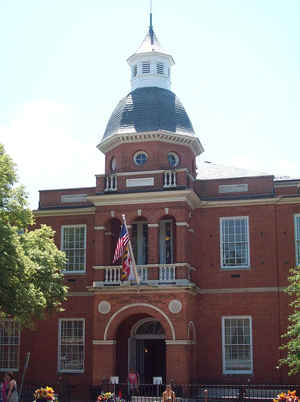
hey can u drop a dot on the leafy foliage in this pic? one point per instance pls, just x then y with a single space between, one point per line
292 335
31 282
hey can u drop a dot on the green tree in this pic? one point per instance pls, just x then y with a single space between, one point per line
31 283
292 334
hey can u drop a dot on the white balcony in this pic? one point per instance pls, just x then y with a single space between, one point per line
169 179
156 274
111 183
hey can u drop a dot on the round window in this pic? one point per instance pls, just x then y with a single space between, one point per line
113 163
140 158
173 159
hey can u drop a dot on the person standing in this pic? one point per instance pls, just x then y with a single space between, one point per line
168 395
133 380
11 388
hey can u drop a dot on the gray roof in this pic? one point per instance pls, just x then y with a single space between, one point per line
209 171
149 109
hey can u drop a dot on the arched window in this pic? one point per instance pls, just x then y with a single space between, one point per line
166 241
140 242
149 328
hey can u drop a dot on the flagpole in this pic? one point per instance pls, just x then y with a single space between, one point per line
132 255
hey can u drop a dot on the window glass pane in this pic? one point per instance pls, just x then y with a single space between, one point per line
9 345
71 349
235 242
74 245
237 345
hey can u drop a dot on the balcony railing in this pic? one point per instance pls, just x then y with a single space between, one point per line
156 274
111 183
169 179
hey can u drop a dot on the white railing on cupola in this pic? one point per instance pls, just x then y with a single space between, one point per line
111 183
169 179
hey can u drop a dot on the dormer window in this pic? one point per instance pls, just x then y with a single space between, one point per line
146 67
134 71
160 68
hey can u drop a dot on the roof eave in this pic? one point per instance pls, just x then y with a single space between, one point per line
185 139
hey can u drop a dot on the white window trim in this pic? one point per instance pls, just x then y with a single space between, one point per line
221 243
13 369
297 246
65 271
59 369
237 317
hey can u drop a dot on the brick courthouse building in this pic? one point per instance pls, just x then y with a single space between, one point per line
213 247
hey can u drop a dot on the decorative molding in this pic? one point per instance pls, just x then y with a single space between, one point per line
187 196
65 198
64 212
233 188
123 137
241 203
101 342
140 182
99 227
180 342
104 307
175 306
133 305
241 290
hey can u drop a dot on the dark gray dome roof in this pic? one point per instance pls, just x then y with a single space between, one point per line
149 109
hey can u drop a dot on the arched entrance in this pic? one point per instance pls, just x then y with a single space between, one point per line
146 348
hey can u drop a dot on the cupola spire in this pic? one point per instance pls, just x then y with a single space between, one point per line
150 65
151 32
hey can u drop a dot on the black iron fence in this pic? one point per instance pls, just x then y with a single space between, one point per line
152 393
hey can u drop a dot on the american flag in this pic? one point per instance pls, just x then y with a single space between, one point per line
121 244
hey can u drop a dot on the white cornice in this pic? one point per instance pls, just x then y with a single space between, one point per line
183 138
241 290
187 196
65 212
259 201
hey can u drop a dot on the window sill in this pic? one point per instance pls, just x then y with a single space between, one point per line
67 273
235 268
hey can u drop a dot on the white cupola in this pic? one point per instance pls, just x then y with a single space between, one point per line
150 65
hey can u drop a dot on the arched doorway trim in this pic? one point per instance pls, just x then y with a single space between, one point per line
140 323
172 329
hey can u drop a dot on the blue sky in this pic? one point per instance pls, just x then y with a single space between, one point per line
63 70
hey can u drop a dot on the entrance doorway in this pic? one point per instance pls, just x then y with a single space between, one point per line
147 350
